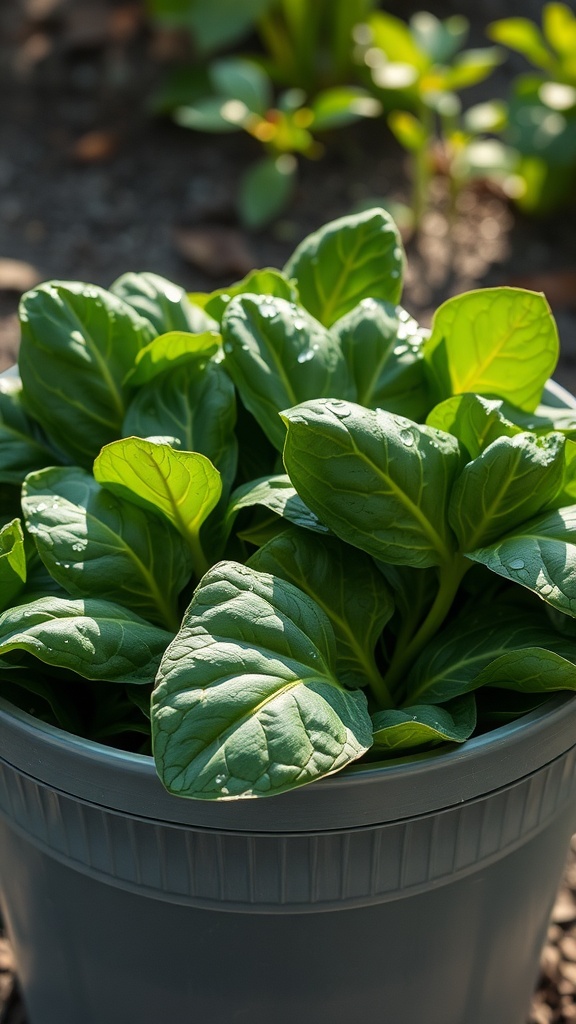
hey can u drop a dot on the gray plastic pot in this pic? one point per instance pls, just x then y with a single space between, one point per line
405 893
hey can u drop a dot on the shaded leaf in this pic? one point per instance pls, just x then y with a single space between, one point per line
164 304
378 481
12 562
421 726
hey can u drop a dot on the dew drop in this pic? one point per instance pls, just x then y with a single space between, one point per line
228 346
407 438
298 325
219 779
306 355
41 506
77 547
516 563
400 350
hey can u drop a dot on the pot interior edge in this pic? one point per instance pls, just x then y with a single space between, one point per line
358 796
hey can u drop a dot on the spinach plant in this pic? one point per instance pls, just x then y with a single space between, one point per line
279 529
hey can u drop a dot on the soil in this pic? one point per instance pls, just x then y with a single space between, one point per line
92 185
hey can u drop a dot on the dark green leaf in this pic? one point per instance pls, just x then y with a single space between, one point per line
346 585
421 726
353 258
97 545
382 346
277 494
378 481
195 405
95 638
247 702
512 480
78 344
278 355
540 555
22 446
266 188
164 304
243 80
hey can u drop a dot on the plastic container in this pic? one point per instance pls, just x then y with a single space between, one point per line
412 892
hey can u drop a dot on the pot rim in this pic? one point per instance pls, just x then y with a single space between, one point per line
361 795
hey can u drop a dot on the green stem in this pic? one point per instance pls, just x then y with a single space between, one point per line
450 576
199 560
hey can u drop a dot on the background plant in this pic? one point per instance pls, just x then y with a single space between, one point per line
540 123
419 69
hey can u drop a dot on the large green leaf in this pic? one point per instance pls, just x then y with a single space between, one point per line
78 344
346 585
95 544
422 726
196 406
353 258
532 670
278 355
476 421
458 660
540 555
247 702
22 447
164 304
95 638
382 346
512 480
182 486
378 481
499 342
170 350
12 562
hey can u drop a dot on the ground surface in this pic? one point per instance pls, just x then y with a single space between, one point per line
91 186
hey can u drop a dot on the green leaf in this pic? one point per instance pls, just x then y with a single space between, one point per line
559 28
164 304
78 344
408 130
266 188
211 114
455 661
95 638
439 40
333 108
532 670
377 480
196 406
397 42
243 80
277 494
97 545
346 585
350 259
540 556
499 342
171 350
182 486
422 726
12 562
522 35
22 446
476 421
512 480
471 67
278 355
258 282
222 24
247 702
382 346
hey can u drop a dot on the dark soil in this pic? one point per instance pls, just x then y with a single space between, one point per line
92 186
